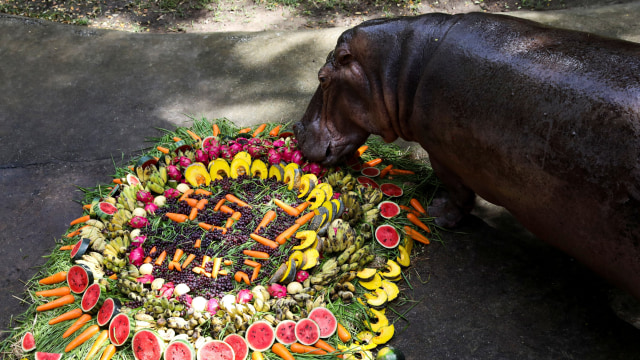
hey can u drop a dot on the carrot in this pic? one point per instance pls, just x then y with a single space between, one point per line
408 209
275 131
160 258
80 220
259 130
268 217
104 335
415 235
191 202
61 291
290 210
176 139
201 204
212 227
244 131
251 263
256 271
241 276
287 234
69 315
264 241
176 265
108 353
228 262
66 247
83 319
324 346
401 172
197 244
54 279
115 276
384 171
234 199
216 267
185 194
226 209
302 207
73 233
222 272
177 255
256 254
282 351
203 192
414 219
179 218
82 338
153 250
343 334
193 214
61 301
162 149
416 205
361 150
233 218
194 135
216 130
219 204
188 260
205 260
372 163
306 349
305 218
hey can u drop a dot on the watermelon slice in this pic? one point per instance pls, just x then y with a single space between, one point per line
147 345
391 190
92 299
388 209
179 350
370 171
307 331
119 329
48 356
105 209
387 236
326 321
28 342
79 277
80 248
260 336
216 350
366 182
239 345
286 332
132 180
110 308
146 161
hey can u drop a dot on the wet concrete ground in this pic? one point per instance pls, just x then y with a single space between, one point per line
74 102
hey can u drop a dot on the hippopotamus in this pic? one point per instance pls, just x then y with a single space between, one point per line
544 122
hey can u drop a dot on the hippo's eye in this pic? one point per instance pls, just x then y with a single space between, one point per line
324 80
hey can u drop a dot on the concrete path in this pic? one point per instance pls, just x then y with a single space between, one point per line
74 101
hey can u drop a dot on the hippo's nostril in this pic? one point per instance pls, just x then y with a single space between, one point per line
328 152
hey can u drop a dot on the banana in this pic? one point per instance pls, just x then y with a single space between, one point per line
95 223
346 254
99 245
359 254
329 265
163 174
156 188
91 259
99 258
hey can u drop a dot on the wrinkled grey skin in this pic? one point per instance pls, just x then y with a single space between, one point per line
542 121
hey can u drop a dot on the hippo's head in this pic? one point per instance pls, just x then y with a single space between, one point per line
339 117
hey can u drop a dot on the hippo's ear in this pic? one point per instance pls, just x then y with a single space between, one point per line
343 56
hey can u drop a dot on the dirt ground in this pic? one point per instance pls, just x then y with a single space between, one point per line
166 16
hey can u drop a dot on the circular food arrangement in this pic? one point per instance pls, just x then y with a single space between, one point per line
226 243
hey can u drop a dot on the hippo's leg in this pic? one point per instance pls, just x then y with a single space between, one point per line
450 208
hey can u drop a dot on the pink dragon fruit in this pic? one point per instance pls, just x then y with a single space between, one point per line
274 157
145 279
144 196
213 306
235 148
138 222
151 208
214 151
278 143
136 256
174 172
287 153
296 157
312 168
171 193
202 156
254 141
225 152
301 276
276 290
139 240
244 296
184 161
255 151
